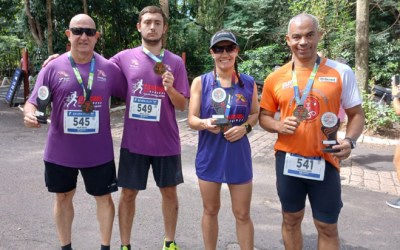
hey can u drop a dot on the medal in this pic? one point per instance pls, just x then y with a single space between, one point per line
301 113
218 95
87 107
159 68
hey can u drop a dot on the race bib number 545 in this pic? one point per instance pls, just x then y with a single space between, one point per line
78 122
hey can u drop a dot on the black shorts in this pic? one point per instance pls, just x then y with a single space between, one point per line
134 168
324 196
99 180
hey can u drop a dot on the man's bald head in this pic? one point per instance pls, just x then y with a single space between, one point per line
82 20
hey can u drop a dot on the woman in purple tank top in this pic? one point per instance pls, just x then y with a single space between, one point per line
223 108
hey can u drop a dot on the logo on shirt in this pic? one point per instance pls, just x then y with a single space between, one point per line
62 76
134 64
73 100
240 98
287 84
312 105
101 76
327 79
138 86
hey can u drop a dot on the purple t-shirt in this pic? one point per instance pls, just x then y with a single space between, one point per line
217 159
73 140
150 126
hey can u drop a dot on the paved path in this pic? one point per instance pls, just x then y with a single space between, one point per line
353 172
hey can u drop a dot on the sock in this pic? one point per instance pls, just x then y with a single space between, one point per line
66 247
127 246
104 247
168 243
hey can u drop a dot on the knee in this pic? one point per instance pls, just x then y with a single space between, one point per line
326 230
292 221
242 216
211 209
169 194
104 200
128 195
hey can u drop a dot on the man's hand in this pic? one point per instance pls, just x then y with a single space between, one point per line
289 125
49 59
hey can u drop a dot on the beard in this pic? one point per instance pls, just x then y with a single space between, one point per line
153 41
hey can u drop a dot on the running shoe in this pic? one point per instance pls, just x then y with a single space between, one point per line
394 203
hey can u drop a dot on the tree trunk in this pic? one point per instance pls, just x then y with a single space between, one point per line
85 7
34 25
165 7
49 28
362 43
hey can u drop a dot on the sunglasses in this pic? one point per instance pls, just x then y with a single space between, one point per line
80 31
220 49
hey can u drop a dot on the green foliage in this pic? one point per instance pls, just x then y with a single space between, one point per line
261 61
378 116
257 22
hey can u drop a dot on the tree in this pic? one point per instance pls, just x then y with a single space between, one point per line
165 7
49 28
362 43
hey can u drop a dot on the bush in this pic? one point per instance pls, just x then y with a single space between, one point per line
378 116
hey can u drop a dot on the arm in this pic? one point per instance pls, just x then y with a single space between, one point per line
237 132
30 120
354 128
396 100
178 100
194 110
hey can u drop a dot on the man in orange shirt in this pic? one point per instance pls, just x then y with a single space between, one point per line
309 91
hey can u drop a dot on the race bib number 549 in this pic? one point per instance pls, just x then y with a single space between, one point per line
147 109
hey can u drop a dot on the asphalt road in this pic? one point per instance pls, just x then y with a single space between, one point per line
26 220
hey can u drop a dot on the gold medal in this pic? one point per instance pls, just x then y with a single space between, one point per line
159 68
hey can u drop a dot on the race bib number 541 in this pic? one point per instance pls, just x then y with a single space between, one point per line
312 168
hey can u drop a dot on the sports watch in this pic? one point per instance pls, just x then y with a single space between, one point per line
353 143
248 127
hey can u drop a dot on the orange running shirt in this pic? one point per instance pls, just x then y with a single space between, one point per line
334 85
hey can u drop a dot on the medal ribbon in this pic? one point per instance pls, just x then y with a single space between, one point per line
87 91
230 99
157 59
310 82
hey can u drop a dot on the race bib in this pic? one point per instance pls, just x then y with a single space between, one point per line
147 109
78 122
312 168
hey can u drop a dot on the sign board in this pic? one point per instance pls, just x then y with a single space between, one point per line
14 86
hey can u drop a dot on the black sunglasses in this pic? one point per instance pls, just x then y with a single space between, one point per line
220 49
79 31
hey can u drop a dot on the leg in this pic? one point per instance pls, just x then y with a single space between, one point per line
328 235
210 193
126 211
291 230
396 160
241 200
64 215
170 208
105 217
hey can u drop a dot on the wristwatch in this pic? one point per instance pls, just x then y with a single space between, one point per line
353 143
248 127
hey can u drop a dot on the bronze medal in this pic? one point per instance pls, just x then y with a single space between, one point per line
300 112
87 107
159 68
